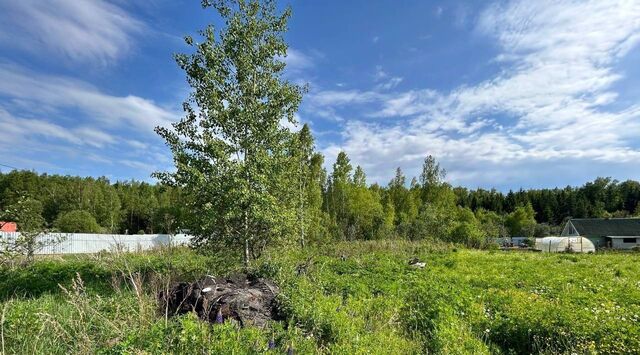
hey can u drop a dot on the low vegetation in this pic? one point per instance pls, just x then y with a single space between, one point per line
349 298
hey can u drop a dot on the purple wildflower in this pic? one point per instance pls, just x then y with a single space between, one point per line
219 319
272 343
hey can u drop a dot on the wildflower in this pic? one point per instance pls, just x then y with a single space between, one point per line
272 343
219 319
289 350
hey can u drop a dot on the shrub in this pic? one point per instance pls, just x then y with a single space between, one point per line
77 221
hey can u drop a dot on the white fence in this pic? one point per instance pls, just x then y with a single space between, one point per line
81 243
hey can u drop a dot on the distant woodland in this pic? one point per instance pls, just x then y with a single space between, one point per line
352 208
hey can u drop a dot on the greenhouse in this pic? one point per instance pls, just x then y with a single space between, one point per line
565 244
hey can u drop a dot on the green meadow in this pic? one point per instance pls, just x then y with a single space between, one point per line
347 298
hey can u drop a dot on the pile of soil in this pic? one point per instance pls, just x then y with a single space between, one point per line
245 299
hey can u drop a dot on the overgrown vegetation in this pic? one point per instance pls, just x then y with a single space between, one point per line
346 298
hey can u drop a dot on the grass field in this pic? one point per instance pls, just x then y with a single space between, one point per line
349 298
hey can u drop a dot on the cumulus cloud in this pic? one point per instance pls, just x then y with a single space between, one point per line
92 31
552 101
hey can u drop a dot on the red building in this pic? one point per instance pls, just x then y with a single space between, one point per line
8 227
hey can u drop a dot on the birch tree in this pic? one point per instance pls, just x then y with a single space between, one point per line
231 152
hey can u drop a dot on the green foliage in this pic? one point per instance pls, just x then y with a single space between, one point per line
365 216
355 209
77 222
234 160
403 201
98 272
347 297
521 222
600 198
311 178
468 230
320 206
432 181
433 223
27 212
117 208
491 223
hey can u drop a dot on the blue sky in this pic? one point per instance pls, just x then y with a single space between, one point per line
505 94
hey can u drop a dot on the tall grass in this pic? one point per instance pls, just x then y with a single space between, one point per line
346 298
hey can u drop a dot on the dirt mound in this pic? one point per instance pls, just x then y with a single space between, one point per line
245 299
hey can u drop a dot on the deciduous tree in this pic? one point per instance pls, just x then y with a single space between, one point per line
231 153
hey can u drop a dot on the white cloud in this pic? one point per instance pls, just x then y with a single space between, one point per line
80 30
389 84
380 74
44 145
297 60
384 80
552 101
146 167
57 93
293 127
17 129
58 119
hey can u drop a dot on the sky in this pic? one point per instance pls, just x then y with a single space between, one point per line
505 94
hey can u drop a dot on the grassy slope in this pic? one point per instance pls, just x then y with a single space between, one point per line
348 298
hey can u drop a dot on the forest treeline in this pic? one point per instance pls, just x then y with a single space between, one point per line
92 205
338 204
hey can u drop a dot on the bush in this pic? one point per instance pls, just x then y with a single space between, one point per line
77 222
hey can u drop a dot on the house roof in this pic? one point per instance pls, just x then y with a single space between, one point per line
8 226
607 226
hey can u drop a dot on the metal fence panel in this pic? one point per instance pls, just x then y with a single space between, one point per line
85 243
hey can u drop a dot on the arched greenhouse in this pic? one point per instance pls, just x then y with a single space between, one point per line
565 244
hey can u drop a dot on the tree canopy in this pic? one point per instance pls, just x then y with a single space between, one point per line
77 221
234 159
